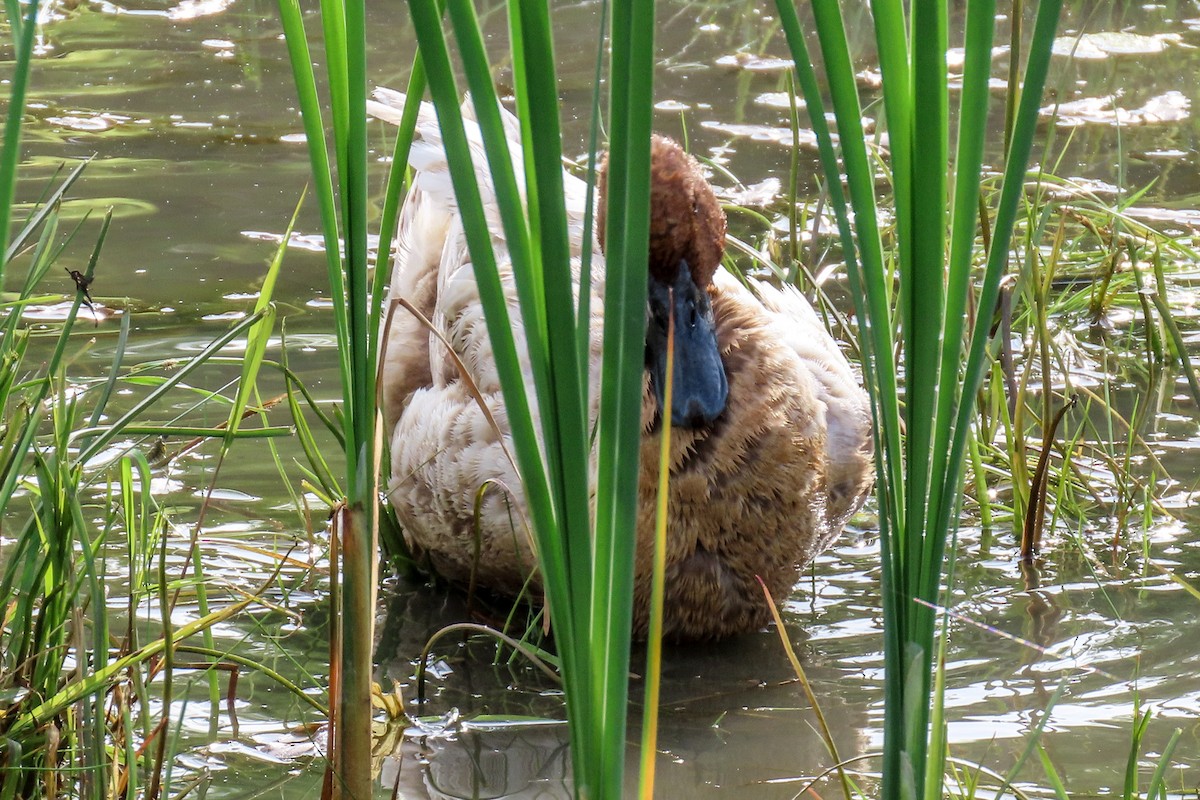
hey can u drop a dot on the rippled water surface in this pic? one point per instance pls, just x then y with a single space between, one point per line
188 110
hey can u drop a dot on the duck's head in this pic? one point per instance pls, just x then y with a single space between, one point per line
687 239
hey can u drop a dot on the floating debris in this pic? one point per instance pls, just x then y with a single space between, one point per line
763 133
1107 44
194 9
956 56
755 63
1165 154
1076 187
1170 107
779 100
1184 217
757 195
872 79
671 106
88 121
61 312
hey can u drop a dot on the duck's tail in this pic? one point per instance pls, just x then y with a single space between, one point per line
428 155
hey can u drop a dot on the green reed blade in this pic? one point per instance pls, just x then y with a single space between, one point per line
192 431
592 634
312 117
557 384
873 286
98 680
1157 788
48 206
427 25
216 655
259 335
968 162
806 77
896 69
919 472
53 364
627 228
114 371
356 201
583 337
1020 147
568 423
922 278
335 40
1140 722
523 251
874 282
10 154
93 447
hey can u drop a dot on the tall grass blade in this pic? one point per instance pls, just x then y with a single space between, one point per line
356 321
627 221
1157 787
259 335
658 581
49 206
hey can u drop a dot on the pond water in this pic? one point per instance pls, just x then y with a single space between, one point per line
188 108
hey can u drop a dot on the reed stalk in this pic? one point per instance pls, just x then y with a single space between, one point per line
586 563
339 165
921 442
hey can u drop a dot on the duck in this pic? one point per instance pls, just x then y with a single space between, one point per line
771 448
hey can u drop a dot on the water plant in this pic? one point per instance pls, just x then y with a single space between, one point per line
87 695
922 286
585 560
339 169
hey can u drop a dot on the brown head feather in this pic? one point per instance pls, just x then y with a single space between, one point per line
686 221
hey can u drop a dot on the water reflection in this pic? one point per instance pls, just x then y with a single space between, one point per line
734 720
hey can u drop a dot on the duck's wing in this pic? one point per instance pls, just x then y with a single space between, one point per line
434 270
445 446
849 444
428 156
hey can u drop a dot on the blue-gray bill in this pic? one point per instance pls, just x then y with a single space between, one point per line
700 388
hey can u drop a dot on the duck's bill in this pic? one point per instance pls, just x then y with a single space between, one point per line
699 388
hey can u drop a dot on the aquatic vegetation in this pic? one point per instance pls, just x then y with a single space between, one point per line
586 558
88 689
923 440
1099 304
